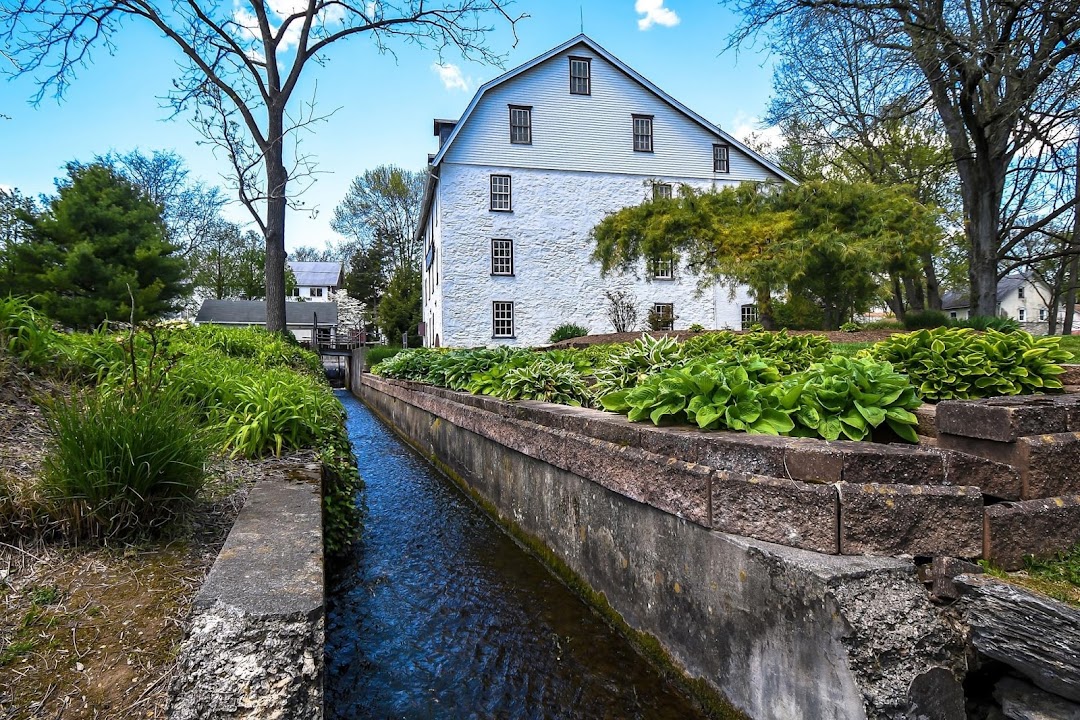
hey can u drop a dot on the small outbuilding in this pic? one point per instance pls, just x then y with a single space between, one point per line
301 318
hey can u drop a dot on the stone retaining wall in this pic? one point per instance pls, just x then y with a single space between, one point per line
636 513
255 648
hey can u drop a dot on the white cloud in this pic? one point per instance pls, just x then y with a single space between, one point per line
451 76
4 187
747 129
655 14
371 8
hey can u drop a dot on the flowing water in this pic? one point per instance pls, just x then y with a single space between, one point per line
439 614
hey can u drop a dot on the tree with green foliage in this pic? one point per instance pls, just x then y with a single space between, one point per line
98 245
365 280
828 241
382 207
15 208
399 310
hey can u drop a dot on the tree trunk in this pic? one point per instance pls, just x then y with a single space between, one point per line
276 180
914 294
982 205
765 311
897 301
933 287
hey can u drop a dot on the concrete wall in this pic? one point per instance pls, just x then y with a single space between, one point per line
780 632
255 647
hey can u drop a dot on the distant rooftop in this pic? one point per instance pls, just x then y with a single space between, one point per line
253 312
316 274
958 300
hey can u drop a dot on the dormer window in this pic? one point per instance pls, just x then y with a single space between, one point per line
643 133
720 162
520 125
580 76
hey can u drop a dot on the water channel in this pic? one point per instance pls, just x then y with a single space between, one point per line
439 614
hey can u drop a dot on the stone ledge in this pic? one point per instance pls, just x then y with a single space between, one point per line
1041 527
255 648
1005 419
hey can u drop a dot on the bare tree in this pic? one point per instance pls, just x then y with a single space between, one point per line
1002 77
243 64
621 310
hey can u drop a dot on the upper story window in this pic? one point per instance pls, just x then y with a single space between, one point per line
643 133
1020 292
662 268
720 163
580 76
520 125
500 193
661 191
502 257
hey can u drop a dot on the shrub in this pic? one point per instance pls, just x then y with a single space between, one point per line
118 463
697 328
883 325
546 380
987 322
621 310
925 319
377 353
798 313
958 363
567 331
850 327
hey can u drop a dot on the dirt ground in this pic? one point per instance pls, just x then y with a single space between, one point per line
835 336
94 632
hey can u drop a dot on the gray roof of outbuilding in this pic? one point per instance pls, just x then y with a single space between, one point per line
253 312
316 274
954 300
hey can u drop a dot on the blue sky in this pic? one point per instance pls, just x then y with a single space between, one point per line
383 105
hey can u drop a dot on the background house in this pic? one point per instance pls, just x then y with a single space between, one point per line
539 157
1021 297
317 280
300 318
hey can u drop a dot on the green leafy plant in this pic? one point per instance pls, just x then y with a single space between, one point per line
925 319
628 364
567 331
547 380
375 354
987 322
26 334
959 363
850 327
697 328
121 462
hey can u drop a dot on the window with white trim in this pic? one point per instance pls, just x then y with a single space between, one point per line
661 191
748 316
500 193
952 315
580 76
665 315
502 257
1021 314
662 268
1042 313
520 125
315 292
502 319
720 159
643 136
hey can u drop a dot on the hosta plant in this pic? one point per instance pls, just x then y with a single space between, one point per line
628 364
959 363
544 379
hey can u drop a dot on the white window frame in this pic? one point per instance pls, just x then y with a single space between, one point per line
498 197
520 125
1042 314
662 268
665 309
661 191
502 319
1021 314
643 133
315 292
502 256
748 315
721 158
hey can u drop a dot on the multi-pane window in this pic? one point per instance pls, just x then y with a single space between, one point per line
643 133
502 319
665 315
1042 313
1021 314
720 162
748 316
315 292
502 257
580 76
1020 292
500 192
661 191
662 268
520 125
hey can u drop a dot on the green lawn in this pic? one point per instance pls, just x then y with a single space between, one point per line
1072 344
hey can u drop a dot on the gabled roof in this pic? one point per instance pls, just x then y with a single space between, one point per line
253 312
316 274
954 300
630 72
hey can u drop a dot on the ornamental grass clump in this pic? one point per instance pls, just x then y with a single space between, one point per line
121 462
962 364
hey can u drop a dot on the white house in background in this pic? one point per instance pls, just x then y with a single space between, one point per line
1021 297
318 281
540 155
301 319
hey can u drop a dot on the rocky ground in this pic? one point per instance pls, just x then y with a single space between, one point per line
93 631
